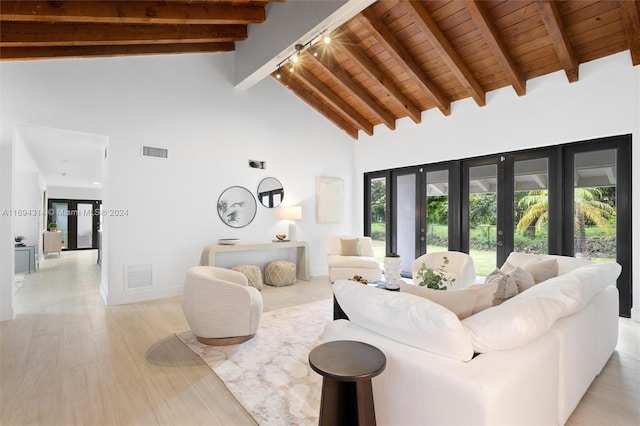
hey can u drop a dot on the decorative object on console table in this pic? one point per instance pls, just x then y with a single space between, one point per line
19 240
437 278
392 266
53 226
291 213
280 238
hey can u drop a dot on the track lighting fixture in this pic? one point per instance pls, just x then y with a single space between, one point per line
295 57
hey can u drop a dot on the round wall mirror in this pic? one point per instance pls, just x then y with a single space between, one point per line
270 192
237 206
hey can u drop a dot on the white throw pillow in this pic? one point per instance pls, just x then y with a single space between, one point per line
484 296
460 302
349 247
542 270
512 324
524 280
506 286
403 317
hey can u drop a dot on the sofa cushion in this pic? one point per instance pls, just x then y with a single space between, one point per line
337 261
513 324
460 302
576 288
506 286
565 263
484 296
542 270
349 247
403 317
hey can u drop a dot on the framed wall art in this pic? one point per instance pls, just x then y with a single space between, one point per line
329 200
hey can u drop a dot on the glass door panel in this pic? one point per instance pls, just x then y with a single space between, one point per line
84 226
61 217
594 205
437 209
407 216
483 212
378 224
531 206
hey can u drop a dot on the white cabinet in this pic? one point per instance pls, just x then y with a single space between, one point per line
52 242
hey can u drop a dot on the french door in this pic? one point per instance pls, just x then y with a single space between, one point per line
77 220
508 205
572 199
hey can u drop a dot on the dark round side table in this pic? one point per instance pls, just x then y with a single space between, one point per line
346 368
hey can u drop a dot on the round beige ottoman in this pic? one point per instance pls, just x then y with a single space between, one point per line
280 273
253 273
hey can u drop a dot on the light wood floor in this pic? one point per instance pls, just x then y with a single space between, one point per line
67 359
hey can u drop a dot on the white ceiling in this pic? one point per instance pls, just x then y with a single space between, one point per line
65 158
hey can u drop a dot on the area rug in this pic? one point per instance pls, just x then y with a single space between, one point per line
269 375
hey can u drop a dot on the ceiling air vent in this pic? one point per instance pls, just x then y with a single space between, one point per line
151 151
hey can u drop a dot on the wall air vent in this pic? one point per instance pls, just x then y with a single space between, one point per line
151 151
137 277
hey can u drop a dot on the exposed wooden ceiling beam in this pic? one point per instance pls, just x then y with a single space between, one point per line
404 58
446 51
18 34
341 77
322 91
371 69
316 104
56 52
130 12
497 47
631 19
553 22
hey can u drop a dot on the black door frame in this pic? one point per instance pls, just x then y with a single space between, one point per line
560 169
72 221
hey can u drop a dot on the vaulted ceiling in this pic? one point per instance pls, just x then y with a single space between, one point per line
55 29
399 58
394 59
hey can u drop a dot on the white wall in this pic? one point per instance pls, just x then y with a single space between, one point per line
604 102
185 103
6 228
73 193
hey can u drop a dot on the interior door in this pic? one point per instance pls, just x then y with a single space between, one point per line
78 221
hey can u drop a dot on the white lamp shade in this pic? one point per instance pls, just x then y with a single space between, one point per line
291 212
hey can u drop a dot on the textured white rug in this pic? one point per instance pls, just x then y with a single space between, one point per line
270 374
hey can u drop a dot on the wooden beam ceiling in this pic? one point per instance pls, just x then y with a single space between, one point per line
394 59
57 29
399 58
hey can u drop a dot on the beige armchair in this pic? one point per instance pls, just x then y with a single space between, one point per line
460 266
349 256
220 307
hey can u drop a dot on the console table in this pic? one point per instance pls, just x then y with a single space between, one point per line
25 259
302 259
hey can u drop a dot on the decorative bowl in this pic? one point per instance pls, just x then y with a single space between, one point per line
281 236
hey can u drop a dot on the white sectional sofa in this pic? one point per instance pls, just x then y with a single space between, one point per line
527 361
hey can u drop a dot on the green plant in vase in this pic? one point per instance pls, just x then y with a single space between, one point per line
436 279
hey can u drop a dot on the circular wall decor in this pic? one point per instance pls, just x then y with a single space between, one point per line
270 192
237 206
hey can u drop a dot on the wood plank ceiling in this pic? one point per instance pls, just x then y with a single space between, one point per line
395 59
398 58
60 29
